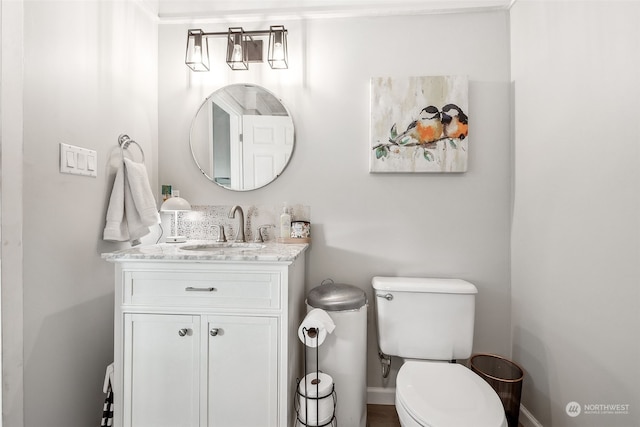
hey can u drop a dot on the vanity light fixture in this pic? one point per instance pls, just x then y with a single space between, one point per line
175 204
277 55
237 49
243 47
197 51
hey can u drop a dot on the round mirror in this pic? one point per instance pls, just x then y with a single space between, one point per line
242 137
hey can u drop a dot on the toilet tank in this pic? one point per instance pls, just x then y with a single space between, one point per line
425 318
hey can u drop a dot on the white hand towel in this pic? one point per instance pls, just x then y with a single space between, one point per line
135 223
116 228
319 320
145 203
132 207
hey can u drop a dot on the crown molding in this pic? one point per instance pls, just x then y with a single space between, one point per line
172 12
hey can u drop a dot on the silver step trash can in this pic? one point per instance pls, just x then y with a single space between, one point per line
343 355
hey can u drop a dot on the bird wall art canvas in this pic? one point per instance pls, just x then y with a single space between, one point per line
419 124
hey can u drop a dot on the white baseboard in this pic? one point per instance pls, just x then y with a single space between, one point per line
527 419
381 396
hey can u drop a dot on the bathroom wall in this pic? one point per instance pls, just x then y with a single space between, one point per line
11 114
576 220
366 224
90 73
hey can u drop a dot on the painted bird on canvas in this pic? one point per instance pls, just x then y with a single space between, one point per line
426 129
455 122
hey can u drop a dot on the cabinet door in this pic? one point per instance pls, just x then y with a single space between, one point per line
243 371
161 370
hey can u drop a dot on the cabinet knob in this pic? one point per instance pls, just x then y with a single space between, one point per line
214 332
182 332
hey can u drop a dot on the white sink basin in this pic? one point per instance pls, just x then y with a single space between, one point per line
225 247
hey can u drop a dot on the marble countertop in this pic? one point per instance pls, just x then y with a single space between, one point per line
204 251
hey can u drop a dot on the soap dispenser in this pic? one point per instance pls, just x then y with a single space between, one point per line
285 223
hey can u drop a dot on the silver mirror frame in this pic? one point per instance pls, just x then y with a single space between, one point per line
200 108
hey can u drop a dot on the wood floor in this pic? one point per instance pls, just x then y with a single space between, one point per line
385 416
382 416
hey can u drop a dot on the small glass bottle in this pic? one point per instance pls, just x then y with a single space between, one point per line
285 223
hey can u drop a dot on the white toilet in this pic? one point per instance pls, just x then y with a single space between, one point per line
429 323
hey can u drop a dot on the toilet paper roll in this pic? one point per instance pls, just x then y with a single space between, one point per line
316 399
319 320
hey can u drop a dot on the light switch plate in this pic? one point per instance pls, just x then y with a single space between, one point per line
78 160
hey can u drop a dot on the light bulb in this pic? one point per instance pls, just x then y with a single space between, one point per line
236 56
197 54
278 52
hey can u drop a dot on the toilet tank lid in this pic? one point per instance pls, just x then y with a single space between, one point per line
423 284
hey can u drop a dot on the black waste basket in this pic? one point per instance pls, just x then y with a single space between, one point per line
506 379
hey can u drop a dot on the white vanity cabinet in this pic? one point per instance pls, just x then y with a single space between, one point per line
171 360
206 343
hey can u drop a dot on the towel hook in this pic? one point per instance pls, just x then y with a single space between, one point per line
124 141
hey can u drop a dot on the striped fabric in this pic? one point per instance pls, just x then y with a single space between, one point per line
107 410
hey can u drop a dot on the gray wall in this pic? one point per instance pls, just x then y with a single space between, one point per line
576 221
366 224
89 74
11 143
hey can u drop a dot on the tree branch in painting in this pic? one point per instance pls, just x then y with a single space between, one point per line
431 127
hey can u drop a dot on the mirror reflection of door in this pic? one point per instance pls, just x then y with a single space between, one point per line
225 130
220 148
267 143
242 137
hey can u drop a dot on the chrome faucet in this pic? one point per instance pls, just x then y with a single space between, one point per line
260 232
240 232
221 237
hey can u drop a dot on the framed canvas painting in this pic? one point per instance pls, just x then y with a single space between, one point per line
419 124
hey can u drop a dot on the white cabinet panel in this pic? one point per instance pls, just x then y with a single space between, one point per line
162 370
242 371
207 289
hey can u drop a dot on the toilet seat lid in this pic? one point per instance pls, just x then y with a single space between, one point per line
447 394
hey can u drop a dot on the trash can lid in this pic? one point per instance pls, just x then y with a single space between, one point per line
332 296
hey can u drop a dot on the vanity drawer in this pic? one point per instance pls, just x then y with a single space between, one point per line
202 289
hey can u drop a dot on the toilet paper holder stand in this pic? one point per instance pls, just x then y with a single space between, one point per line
316 400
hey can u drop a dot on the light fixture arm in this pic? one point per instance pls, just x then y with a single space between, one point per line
246 33
242 48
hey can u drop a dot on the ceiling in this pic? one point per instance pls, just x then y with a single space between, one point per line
238 10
